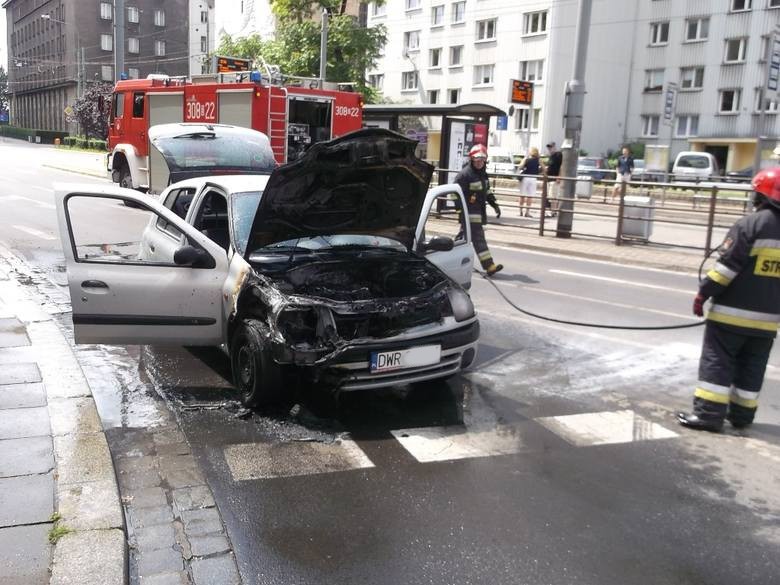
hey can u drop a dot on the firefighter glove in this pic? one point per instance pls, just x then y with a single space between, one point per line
698 305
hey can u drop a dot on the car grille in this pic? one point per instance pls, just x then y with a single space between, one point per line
378 325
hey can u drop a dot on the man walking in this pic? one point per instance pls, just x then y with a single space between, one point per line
625 166
554 162
742 321
474 183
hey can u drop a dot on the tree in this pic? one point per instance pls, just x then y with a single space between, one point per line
91 110
3 89
352 49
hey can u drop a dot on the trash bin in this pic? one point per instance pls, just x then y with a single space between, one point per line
638 217
583 189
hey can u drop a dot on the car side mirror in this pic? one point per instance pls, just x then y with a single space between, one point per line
438 244
195 257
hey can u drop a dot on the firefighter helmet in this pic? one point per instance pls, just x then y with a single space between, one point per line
767 183
478 151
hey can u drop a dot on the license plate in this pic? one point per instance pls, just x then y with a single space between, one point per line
414 357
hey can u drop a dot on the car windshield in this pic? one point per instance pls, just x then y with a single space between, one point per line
244 208
694 162
213 150
331 242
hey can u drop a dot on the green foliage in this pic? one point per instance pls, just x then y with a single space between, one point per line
85 143
30 134
91 110
57 530
3 89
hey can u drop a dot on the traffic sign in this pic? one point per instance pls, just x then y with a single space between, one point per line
521 92
773 75
670 97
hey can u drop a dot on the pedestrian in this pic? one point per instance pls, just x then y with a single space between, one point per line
742 321
474 183
554 162
625 166
530 168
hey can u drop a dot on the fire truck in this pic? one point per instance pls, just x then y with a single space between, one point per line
293 116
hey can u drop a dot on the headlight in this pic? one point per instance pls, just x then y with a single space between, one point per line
462 307
298 325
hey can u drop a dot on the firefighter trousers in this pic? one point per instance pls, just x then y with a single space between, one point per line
480 244
731 372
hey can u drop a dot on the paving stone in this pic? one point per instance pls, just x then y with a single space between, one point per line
18 423
74 415
25 554
173 449
19 374
183 478
202 522
22 395
168 437
144 517
82 458
130 442
90 557
155 537
180 578
90 506
134 464
219 570
134 480
159 561
193 498
26 456
28 499
146 497
202 546
13 333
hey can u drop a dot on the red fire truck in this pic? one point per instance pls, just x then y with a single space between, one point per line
292 116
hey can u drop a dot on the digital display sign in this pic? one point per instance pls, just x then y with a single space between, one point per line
231 64
521 92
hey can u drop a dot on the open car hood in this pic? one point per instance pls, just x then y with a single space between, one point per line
365 182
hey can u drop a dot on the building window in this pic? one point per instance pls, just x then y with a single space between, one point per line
486 30
378 9
433 96
691 77
132 72
204 16
107 73
159 48
774 4
133 14
437 15
650 125
458 12
535 23
434 58
729 101
770 105
107 42
740 5
687 126
456 56
659 33
159 18
413 4
132 45
106 11
204 44
409 80
697 29
377 81
483 74
654 79
453 96
526 115
735 50
532 70
412 40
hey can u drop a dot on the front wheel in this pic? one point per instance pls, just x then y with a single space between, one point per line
256 376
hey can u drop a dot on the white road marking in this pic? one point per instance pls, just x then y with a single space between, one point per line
47 189
621 281
458 442
35 202
266 461
34 232
605 428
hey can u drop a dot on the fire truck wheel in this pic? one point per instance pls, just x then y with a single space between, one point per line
125 179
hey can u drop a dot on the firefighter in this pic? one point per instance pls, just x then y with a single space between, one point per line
474 183
742 321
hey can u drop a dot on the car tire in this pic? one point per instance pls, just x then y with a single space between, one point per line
256 377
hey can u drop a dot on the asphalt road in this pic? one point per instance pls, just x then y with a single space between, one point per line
556 460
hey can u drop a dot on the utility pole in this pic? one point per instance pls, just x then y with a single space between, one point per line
572 119
119 39
772 84
324 47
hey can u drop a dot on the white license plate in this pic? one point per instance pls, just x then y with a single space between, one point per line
415 357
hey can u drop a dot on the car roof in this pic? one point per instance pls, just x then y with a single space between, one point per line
179 128
230 183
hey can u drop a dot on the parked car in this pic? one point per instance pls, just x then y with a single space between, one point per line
641 173
500 162
694 166
321 273
594 167
741 176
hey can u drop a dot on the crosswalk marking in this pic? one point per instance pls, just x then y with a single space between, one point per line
605 428
458 442
34 232
267 461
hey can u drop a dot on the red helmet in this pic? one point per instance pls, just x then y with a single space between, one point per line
767 182
478 151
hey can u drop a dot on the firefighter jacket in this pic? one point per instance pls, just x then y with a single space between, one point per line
476 188
745 282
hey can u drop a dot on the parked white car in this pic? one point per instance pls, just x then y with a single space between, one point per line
500 162
321 273
695 166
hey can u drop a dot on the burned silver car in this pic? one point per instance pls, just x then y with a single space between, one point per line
321 273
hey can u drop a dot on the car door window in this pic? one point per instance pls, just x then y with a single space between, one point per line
105 230
212 218
445 219
178 201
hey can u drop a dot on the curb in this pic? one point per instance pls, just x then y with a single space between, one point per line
93 551
76 171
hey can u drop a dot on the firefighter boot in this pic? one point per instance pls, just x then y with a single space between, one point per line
692 421
493 268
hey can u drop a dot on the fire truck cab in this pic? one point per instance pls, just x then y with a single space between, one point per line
292 116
